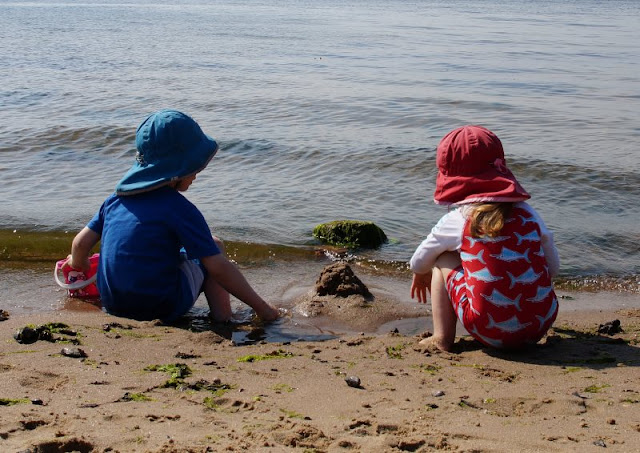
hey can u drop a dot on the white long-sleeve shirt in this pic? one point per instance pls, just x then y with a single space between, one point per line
446 236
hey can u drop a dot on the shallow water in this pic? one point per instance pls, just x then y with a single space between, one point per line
31 290
325 110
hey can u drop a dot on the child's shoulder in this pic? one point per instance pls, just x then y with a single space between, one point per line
161 194
453 220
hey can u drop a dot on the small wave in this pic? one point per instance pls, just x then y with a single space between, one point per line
579 180
104 139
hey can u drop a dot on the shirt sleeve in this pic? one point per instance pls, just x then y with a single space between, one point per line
97 221
194 233
548 245
446 236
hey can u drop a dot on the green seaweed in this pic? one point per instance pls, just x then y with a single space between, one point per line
45 332
279 354
34 246
279 388
56 327
596 388
428 368
292 414
216 388
470 365
135 397
177 371
350 234
13 402
394 352
211 403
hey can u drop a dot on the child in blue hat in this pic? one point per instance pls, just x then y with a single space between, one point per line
157 253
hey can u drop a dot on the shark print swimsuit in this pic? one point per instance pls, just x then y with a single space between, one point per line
502 293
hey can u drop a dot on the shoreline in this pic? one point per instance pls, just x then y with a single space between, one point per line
576 390
282 278
33 250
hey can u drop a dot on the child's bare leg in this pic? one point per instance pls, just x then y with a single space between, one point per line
218 298
444 317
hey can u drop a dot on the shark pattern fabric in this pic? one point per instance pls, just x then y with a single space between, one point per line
502 293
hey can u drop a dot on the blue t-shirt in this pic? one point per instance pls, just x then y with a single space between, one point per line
141 239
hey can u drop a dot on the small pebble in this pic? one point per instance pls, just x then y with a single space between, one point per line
611 421
353 381
73 352
438 393
610 328
26 335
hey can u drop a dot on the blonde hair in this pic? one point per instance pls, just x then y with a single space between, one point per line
487 219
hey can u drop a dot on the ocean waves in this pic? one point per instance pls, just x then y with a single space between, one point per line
325 110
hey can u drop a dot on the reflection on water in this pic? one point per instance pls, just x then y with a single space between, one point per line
290 327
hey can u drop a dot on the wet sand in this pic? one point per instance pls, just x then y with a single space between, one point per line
146 387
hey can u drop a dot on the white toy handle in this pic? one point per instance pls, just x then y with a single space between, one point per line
75 285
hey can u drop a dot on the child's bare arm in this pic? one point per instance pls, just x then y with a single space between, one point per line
231 279
82 244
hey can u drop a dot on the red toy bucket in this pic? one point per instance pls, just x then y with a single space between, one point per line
76 282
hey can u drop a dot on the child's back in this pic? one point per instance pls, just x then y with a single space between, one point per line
142 236
508 284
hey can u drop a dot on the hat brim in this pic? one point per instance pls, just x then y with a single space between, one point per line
492 186
146 177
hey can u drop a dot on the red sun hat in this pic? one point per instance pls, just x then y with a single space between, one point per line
472 169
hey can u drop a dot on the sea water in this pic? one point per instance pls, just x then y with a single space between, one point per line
324 110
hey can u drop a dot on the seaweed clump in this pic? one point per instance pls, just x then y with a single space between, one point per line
350 234
30 334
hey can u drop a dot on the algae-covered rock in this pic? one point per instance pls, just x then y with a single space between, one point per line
350 233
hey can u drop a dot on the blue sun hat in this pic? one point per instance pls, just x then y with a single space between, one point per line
170 146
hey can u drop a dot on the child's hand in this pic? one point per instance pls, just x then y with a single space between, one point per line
78 265
420 286
268 312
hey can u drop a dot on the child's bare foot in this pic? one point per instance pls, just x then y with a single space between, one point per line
435 344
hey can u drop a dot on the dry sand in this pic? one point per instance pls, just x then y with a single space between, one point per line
577 391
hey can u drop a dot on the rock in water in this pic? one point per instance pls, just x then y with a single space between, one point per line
350 233
338 279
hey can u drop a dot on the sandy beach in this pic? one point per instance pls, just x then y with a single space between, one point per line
115 385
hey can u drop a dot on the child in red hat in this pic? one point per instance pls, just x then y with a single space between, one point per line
488 262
